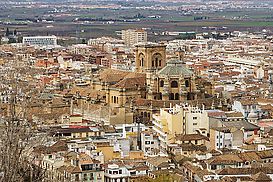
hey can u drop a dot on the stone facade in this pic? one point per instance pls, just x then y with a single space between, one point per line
150 57
173 82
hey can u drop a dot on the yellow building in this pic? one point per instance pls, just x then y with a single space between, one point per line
107 150
181 119
167 124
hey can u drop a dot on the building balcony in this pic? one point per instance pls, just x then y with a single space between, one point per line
160 132
157 124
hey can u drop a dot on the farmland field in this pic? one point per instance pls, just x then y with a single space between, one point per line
96 22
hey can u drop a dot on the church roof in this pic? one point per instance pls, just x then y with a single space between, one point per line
175 68
111 75
132 83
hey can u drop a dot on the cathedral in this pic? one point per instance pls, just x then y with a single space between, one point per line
155 83
168 80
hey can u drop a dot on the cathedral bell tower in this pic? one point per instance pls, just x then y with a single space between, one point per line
150 57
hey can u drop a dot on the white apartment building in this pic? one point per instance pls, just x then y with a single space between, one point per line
43 41
132 37
116 173
149 142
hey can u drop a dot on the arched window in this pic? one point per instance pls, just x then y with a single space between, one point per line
114 99
176 96
161 83
171 96
156 58
187 83
174 84
156 62
141 59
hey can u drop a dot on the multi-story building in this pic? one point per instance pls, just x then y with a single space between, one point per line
149 142
132 37
44 41
124 171
115 172
82 167
181 119
62 164
223 137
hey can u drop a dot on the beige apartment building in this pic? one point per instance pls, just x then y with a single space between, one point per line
177 120
132 37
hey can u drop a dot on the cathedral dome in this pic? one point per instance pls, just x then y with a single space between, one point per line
175 68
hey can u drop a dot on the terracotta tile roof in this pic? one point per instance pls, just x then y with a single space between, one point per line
191 137
157 161
215 152
267 107
202 173
243 171
249 156
135 75
235 179
140 167
86 159
73 169
131 83
188 165
111 75
265 154
264 100
59 146
261 177
234 114
216 113
225 159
